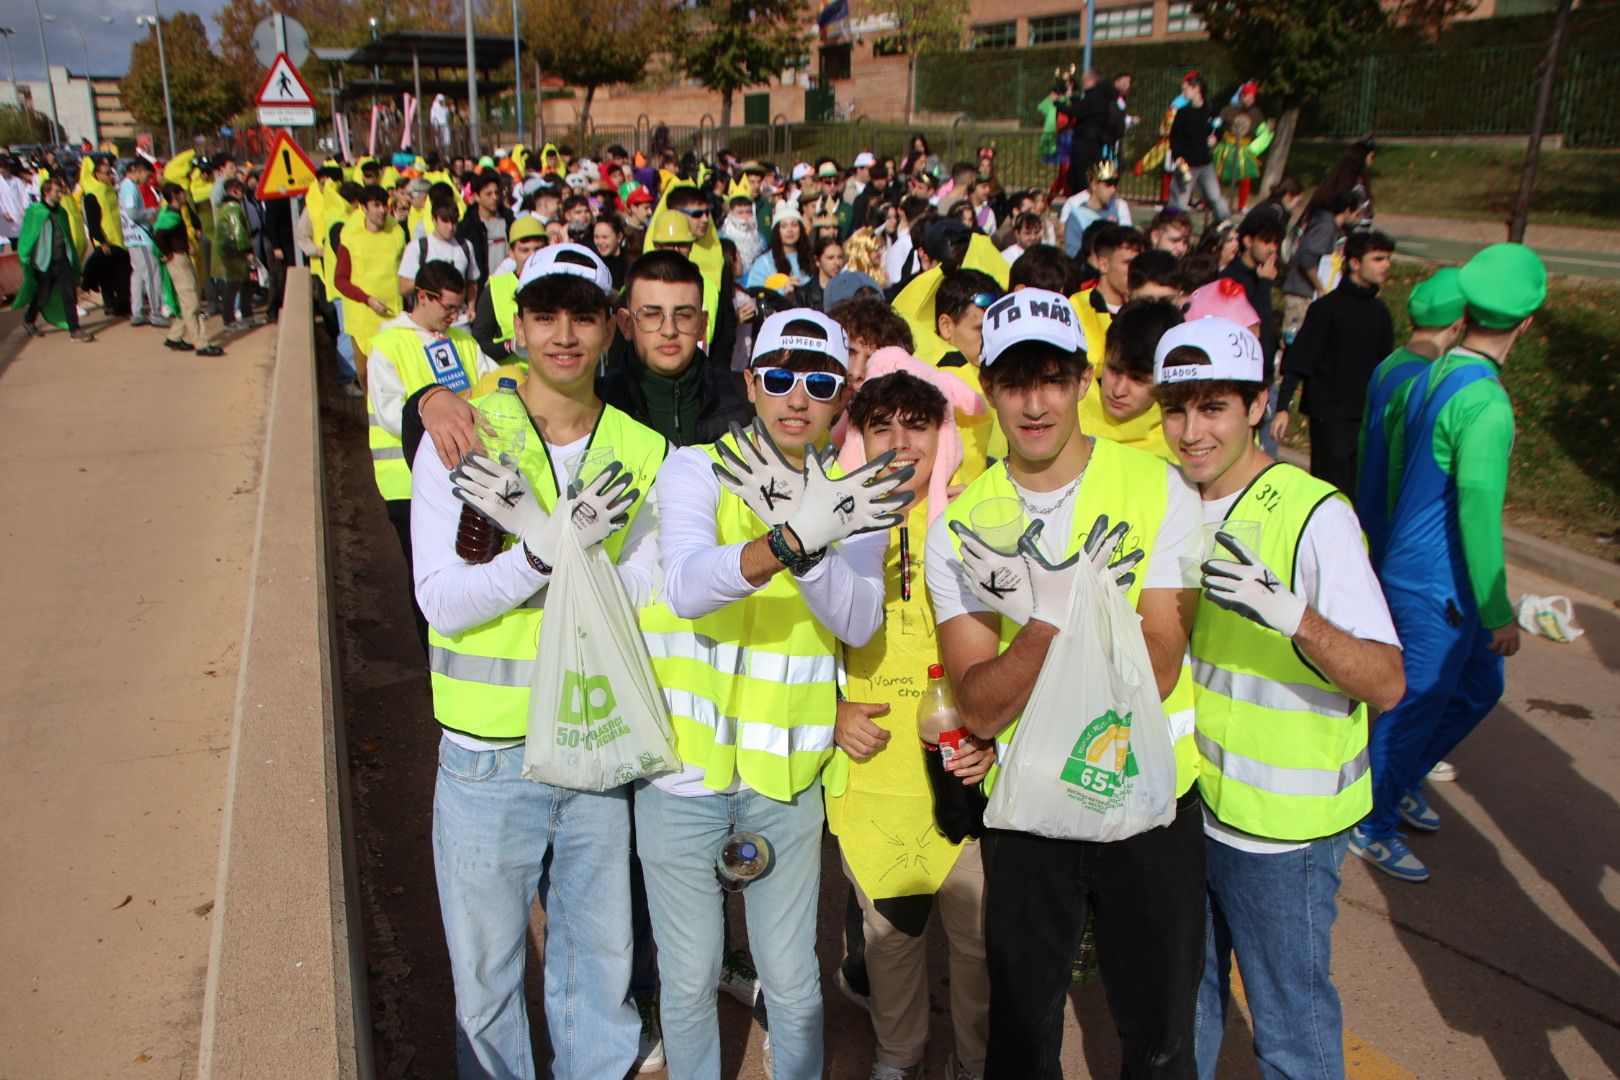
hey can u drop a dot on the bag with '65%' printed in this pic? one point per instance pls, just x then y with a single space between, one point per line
596 717
1092 758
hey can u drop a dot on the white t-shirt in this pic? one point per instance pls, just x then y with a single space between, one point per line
1349 597
495 230
456 595
844 592
1011 253
894 260
1172 563
452 251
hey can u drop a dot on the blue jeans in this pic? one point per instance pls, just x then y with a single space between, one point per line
492 834
679 839
1277 912
345 349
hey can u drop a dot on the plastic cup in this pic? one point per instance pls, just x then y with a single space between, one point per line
1000 523
1245 532
584 468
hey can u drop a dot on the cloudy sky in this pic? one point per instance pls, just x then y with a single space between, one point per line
109 43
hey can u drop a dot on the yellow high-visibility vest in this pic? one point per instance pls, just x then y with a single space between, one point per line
1284 751
403 347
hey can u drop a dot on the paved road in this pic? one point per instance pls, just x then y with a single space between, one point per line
1447 250
1505 964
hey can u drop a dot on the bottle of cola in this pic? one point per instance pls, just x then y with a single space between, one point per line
958 807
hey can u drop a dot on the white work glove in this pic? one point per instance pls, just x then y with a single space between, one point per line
502 494
1100 548
1249 588
1024 586
861 501
758 474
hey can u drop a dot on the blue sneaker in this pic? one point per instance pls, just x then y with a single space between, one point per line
1416 812
1392 856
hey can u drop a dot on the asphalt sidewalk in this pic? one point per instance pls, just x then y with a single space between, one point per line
1566 250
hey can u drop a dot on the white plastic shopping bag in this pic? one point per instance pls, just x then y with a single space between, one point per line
1092 758
596 716
1552 617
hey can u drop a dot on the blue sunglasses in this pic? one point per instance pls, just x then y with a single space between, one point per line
779 382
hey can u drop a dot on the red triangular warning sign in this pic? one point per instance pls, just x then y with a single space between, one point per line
287 171
283 85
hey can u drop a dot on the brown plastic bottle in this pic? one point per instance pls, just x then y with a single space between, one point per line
478 540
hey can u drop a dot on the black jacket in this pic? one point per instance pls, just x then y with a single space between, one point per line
721 403
1189 134
1097 117
1346 334
473 230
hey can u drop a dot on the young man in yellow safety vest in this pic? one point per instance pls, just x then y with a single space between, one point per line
764 576
414 350
1119 403
1292 636
1089 500
496 312
879 800
496 834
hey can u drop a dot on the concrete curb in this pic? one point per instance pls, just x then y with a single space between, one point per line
286 987
1536 553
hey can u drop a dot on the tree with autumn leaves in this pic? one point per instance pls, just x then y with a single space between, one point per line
204 89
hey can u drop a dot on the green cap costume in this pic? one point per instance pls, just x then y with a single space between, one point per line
1438 300
1504 285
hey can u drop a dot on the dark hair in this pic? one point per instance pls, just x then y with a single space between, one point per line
611 221
1135 332
1113 237
373 193
684 196
1198 269
873 321
1261 227
964 168
350 191
898 396
1348 174
1214 237
878 171
221 161
914 207
235 185
666 265
1288 185
958 287
779 251
1170 219
565 292
436 276
1045 266
1363 241
169 190
1029 363
1184 395
484 179
1026 220
1156 268
801 359
574 200
330 172
822 244
444 211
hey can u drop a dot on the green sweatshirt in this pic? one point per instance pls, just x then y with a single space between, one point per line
673 404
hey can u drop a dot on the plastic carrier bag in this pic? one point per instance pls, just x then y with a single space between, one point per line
1092 758
596 716
1553 617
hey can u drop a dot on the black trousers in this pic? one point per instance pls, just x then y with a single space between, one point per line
111 272
59 278
1146 896
1334 443
399 516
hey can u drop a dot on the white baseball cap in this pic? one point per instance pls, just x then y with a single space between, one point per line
864 159
800 171
1233 353
774 336
545 262
1030 315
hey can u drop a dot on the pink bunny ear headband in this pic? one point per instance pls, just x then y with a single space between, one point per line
962 399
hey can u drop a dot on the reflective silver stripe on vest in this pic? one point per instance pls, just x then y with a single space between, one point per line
746 734
1269 693
1280 780
489 670
732 660
387 453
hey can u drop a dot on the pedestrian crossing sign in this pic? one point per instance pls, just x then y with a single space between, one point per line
284 86
287 172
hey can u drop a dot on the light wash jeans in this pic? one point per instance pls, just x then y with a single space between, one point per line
492 832
1277 911
345 350
1204 179
678 839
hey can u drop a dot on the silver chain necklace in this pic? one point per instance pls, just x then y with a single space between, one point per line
1062 497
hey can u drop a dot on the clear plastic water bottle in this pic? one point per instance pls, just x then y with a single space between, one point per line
743 857
478 540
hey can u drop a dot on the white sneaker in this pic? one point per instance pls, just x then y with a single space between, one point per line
881 1071
770 1073
738 978
650 1054
1443 771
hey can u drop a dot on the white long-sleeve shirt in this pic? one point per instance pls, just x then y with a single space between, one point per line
387 388
844 592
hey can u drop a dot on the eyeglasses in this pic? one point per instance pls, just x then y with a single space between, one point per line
455 309
650 318
694 212
983 299
779 382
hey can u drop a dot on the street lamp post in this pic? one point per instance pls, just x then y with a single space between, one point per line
84 46
517 70
50 87
155 21
472 80
11 68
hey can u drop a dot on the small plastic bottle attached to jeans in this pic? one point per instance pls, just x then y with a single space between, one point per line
744 857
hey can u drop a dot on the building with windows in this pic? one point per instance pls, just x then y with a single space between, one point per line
87 107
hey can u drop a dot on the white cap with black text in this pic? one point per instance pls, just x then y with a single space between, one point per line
1030 315
1230 353
581 262
774 336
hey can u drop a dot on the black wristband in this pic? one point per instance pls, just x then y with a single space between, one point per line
797 564
535 561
